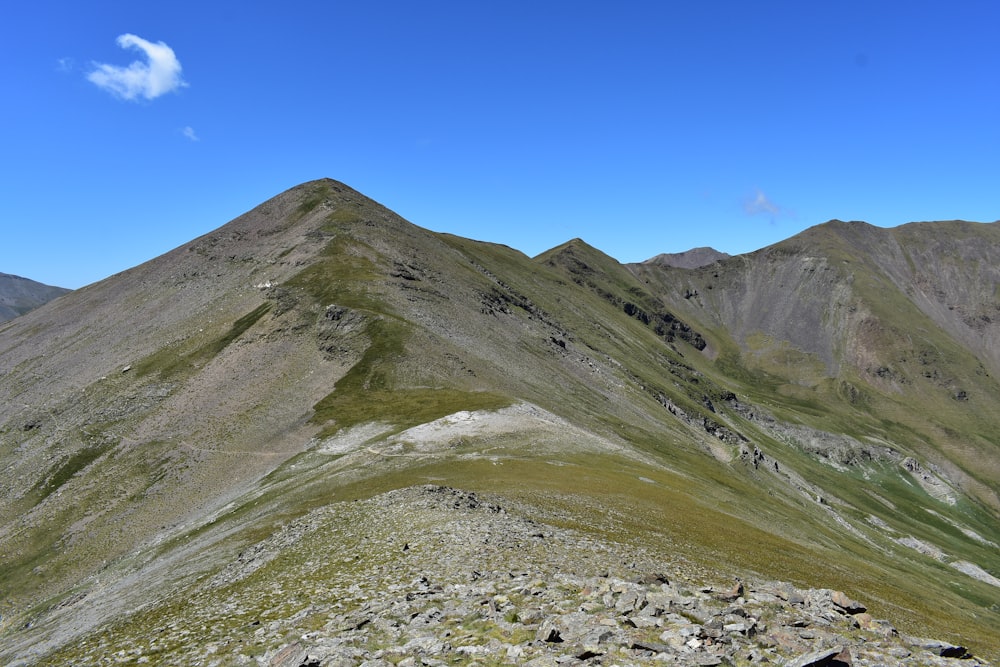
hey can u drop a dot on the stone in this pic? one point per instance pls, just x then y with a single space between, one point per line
880 627
943 649
652 647
630 601
292 655
558 618
826 658
707 660
846 604
548 632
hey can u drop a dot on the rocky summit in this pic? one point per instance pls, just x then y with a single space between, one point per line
321 435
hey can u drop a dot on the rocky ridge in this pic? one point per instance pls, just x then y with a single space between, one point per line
432 575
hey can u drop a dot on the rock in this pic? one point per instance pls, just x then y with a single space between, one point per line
846 604
789 594
630 601
483 609
652 647
943 649
293 655
866 622
843 658
742 628
548 632
424 646
832 657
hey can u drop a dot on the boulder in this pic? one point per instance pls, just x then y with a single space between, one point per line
846 604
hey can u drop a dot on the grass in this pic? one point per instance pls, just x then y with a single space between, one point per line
319 192
366 392
722 517
171 362
61 473
345 274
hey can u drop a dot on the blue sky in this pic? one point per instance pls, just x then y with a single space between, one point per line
641 127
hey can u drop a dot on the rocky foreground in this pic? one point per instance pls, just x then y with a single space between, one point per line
436 576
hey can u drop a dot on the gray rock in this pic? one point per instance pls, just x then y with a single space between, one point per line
846 604
828 657
548 632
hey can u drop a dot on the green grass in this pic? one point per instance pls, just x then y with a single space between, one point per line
722 517
345 274
62 472
366 393
319 192
174 361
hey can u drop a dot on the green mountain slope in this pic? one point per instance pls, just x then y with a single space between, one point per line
820 412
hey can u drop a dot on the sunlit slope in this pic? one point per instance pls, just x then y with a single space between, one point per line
878 333
321 349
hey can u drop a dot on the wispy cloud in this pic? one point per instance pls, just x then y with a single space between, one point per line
159 74
760 203
65 65
189 132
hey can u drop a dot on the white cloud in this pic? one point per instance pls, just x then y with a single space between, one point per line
759 203
189 132
158 75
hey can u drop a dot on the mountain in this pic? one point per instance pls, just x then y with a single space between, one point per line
689 259
321 434
19 295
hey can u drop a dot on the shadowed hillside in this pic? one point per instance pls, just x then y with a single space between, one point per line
249 428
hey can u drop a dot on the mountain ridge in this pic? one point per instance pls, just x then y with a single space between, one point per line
320 349
19 295
689 259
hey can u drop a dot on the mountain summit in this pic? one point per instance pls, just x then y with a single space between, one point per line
322 435
689 259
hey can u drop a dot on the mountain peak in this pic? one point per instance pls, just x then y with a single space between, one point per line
689 259
18 295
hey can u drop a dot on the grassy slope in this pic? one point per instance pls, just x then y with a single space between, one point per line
574 332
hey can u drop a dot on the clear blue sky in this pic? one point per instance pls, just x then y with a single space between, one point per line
642 127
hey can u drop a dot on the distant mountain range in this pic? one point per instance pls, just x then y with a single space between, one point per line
19 295
321 435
